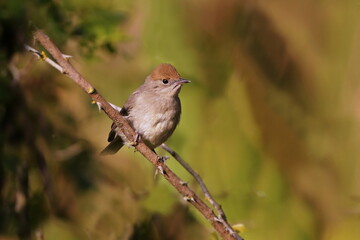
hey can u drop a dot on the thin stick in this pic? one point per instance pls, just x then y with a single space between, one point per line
208 196
42 56
225 232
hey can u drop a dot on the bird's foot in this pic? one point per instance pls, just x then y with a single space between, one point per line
162 159
159 169
136 140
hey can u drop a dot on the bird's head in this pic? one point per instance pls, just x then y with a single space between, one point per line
165 80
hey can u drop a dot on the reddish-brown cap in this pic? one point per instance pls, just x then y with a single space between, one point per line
165 71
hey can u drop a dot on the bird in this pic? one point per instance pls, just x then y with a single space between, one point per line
153 110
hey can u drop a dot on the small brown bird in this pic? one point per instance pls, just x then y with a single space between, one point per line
153 110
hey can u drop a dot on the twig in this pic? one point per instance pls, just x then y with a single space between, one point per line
220 211
42 56
124 126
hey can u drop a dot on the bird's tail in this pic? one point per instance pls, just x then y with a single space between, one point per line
113 146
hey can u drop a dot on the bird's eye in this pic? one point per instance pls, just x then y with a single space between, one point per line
165 81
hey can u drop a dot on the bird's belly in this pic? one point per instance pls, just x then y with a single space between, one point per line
155 129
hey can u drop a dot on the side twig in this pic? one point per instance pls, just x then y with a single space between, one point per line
208 196
220 225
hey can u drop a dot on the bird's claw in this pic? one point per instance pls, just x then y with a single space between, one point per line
136 140
162 159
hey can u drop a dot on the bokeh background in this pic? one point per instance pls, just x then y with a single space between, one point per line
270 121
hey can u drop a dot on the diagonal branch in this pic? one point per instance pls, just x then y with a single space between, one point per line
220 225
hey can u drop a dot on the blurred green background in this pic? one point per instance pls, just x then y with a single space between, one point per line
270 121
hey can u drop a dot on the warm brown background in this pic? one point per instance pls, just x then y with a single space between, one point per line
271 119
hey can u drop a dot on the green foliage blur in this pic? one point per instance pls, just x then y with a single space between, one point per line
270 121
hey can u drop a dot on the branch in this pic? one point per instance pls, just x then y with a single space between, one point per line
67 69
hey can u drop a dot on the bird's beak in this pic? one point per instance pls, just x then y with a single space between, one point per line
182 81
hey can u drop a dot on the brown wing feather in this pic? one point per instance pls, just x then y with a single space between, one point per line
113 147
